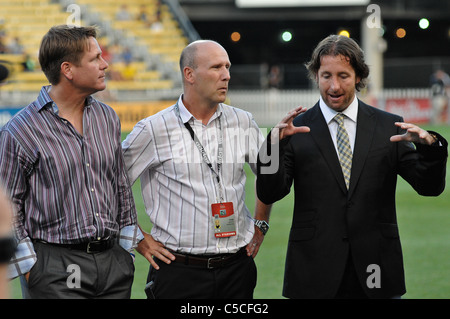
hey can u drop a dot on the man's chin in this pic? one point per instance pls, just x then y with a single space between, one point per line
338 107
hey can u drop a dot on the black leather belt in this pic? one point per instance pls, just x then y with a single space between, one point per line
208 261
91 247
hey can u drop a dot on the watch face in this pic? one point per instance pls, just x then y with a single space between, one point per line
262 225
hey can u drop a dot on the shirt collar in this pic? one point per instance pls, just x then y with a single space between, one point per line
44 100
184 113
186 116
328 113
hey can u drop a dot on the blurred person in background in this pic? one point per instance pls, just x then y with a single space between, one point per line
143 15
3 46
343 157
123 14
15 46
190 160
440 95
61 162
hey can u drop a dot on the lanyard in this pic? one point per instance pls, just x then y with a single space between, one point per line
205 157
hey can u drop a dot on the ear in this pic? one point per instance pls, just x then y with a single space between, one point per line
66 70
188 73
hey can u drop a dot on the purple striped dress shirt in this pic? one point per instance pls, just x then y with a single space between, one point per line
68 188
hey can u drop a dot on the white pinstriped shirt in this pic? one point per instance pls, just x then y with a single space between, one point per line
178 188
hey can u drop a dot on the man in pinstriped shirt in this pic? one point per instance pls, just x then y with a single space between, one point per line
190 160
61 161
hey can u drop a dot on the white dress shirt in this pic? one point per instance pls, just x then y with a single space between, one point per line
178 188
351 113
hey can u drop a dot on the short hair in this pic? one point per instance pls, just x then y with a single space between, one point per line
339 45
189 53
60 44
187 57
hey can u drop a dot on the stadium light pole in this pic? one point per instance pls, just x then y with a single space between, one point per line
374 46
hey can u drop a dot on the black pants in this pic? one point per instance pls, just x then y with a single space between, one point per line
67 273
179 281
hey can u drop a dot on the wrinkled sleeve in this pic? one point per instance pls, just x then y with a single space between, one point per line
15 165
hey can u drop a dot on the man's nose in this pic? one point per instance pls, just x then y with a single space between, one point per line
335 85
226 74
104 64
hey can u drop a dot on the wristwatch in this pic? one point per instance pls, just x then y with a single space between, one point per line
262 225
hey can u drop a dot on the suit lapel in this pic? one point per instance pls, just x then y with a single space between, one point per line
364 135
321 135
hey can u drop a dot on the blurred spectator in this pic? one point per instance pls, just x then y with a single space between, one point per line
156 25
29 64
123 14
126 55
3 47
106 54
275 81
129 71
158 10
275 77
440 83
2 28
15 46
440 92
263 75
143 15
157 21
109 56
114 52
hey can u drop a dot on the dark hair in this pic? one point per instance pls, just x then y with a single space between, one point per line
340 45
63 43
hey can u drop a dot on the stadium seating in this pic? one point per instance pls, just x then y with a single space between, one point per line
29 20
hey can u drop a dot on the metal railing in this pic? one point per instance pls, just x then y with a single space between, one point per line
183 20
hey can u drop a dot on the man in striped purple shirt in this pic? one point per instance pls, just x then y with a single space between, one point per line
62 163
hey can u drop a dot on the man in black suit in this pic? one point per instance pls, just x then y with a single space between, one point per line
344 241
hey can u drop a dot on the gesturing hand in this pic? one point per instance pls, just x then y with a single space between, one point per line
413 134
286 128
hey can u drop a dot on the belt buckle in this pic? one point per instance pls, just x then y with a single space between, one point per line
88 247
208 264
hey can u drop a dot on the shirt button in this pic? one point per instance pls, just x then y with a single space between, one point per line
87 165
98 238
92 189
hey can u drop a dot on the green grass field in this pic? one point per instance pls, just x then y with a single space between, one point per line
424 225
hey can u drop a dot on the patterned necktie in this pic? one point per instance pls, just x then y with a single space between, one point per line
343 145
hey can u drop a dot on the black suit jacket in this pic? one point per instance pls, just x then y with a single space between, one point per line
329 220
